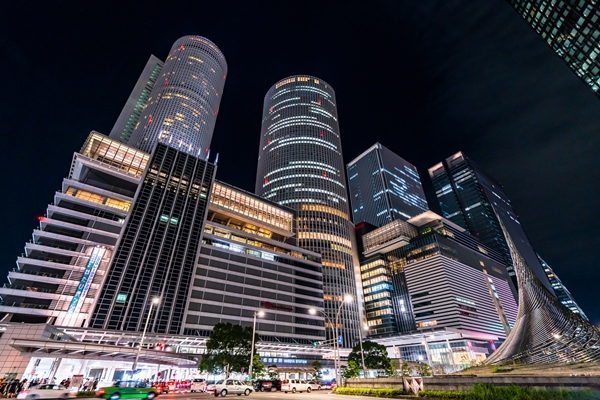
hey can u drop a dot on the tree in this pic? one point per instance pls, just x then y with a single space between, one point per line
227 349
424 370
351 371
318 366
376 356
273 371
258 367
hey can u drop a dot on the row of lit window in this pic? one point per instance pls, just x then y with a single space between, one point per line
268 182
377 279
378 271
371 264
325 236
377 288
99 199
297 120
325 209
385 311
382 303
343 249
376 296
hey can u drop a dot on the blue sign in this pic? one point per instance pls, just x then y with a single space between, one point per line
340 339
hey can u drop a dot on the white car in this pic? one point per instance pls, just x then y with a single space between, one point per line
198 385
295 385
45 392
232 386
314 385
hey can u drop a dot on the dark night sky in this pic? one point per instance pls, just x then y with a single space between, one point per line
424 78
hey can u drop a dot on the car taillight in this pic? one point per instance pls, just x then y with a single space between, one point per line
100 392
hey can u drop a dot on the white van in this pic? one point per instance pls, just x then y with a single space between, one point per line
295 385
198 385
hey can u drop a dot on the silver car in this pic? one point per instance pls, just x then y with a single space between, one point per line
45 392
232 386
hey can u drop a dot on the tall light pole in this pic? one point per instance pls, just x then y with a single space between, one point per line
261 314
362 353
314 311
347 299
155 301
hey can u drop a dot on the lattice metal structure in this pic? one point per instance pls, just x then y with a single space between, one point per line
545 331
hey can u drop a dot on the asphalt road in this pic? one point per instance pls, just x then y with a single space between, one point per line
314 395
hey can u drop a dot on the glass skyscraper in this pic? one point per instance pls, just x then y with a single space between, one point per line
300 165
563 294
384 187
572 29
179 101
472 199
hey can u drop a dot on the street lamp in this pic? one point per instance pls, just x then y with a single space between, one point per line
261 314
313 311
362 353
347 299
155 301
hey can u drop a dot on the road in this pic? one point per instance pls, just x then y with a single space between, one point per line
314 395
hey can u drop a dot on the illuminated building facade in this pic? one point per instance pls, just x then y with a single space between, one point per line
156 254
62 268
428 273
137 101
571 29
561 292
248 261
472 199
182 106
300 165
384 187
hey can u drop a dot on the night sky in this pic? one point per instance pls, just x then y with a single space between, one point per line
424 78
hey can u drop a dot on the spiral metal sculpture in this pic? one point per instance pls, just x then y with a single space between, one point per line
545 330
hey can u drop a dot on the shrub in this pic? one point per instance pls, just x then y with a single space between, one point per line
368 391
484 391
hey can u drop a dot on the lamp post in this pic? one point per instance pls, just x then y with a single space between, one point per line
362 353
314 311
260 313
336 362
155 301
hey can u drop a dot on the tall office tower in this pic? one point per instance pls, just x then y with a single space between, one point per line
137 101
384 187
62 268
300 165
157 250
472 199
429 273
572 29
247 263
562 293
182 109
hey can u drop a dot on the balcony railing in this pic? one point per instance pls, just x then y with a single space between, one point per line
23 305
28 288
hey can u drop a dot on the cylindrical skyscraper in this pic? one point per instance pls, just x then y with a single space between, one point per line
300 165
183 105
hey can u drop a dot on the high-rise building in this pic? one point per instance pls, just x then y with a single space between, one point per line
384 187
137 101
561 292
157 250
180 108
300 165
63 266
572 29
248 262
428 273
472 199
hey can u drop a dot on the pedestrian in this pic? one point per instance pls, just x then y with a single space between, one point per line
12 389
22 386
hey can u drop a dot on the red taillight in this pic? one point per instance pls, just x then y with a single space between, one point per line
100 392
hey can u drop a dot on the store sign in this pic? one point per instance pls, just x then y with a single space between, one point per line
272 306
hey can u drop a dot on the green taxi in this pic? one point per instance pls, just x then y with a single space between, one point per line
128 390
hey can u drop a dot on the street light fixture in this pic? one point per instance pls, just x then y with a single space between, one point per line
362 353
155 301
261 314
336 362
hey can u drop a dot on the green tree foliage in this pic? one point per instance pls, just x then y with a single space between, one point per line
258 367
424 370
227 349
376 357
318 366
351 371
273 371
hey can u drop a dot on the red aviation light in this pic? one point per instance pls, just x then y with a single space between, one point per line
269 141
271 109
266 180
322 135
325 174
182 47
40 218
150 120
166 81
319 101
215 113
